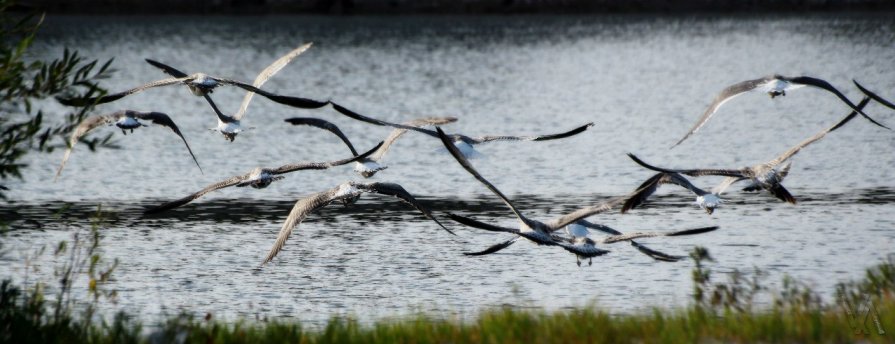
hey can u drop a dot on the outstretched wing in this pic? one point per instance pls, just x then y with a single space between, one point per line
572 132
176 203
300 211
325 125
167 69
807 80
692 172
298 102
792 151
579 214
321 165
780 192
727 94
415 125
180 74
637 235
266 74
86 126
660 256
874 96
392 189
649 187
115 96
165 120
657 255
468 167
493 248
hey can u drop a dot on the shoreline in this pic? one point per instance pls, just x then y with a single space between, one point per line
444 7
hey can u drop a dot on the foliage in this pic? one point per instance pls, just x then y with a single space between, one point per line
22 128
724 315
28 316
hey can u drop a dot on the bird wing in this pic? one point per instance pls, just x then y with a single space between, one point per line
572 132
691 172
481 225
325 125
637 235
165 120
493 248
115 96
585 250
874 96
179 74
83 128
792 151
660 256
301 103
299 212
807 80
176 203
392 189
657 255
780 192
266 74
652 184
321 165
726 94
167 69
415 125
726 183
468 167
579 214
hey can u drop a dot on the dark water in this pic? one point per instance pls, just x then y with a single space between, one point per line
642 80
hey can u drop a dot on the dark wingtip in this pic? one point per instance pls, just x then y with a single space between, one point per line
648 166
694 231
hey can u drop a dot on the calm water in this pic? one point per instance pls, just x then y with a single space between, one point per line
642 80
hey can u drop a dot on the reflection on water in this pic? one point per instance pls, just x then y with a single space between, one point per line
642 79
373 209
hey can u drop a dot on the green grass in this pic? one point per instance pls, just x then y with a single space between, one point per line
583 325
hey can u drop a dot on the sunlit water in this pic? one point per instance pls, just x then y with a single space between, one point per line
642 80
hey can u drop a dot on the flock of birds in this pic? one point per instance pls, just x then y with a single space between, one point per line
570 231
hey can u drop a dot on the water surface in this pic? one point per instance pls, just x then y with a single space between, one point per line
642 80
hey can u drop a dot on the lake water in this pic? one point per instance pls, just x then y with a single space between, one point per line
643 81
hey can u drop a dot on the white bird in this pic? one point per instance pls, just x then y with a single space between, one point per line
200 84
775 85
541 233
367 167
465 143
767 175
347 193
125 120
230 126
257 178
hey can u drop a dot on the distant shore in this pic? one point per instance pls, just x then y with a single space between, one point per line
349 7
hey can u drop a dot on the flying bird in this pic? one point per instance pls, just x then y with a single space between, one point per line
541 233
706 200
463 142
367 167
257 178
200 84
126 120
348 192
579 229
775 85
765 175
230 126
